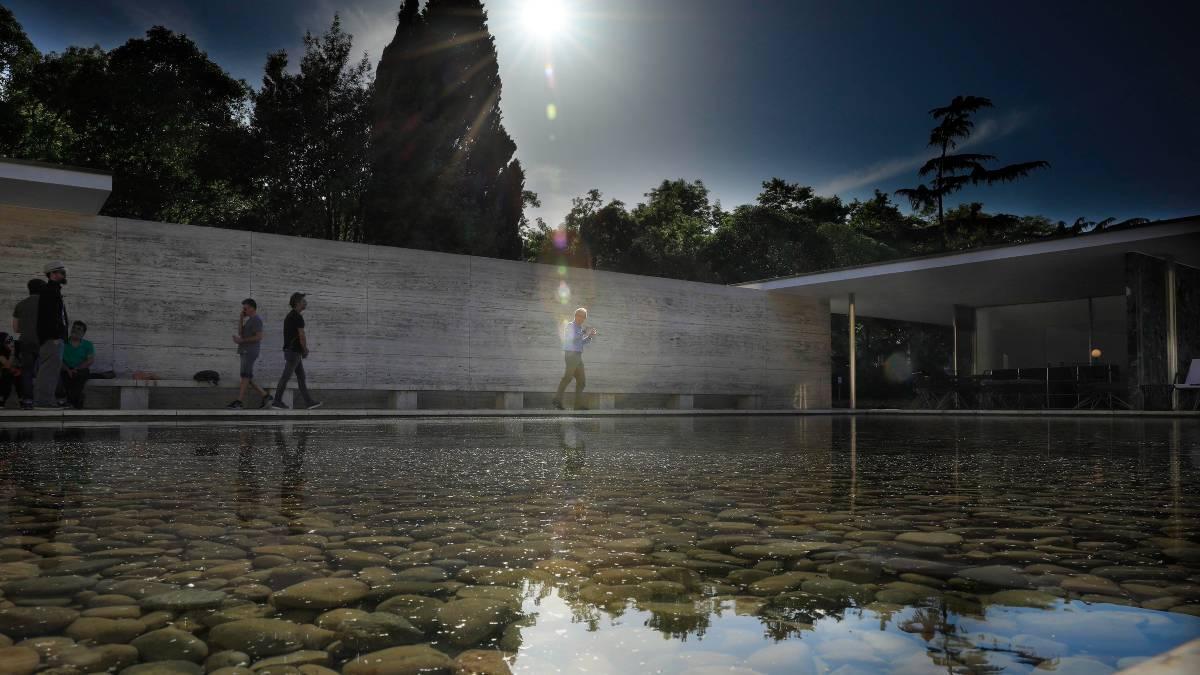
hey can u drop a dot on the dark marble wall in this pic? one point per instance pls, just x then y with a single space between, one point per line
1187 322
1146 306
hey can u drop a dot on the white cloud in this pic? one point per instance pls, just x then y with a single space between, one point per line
986 130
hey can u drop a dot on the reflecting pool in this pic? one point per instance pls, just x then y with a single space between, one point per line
614 545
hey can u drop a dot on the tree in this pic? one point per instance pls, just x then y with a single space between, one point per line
953 172
443 172
311 130
18 57
777 235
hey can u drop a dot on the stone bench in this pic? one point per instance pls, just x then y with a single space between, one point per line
135 394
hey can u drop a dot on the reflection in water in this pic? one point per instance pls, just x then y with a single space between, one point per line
737 545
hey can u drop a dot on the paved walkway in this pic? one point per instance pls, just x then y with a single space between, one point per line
12 416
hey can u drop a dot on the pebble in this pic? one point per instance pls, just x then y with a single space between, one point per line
320 594
18 660
170 644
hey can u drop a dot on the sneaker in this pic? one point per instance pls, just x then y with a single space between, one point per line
582 407
266 401
47 406
279 405
26 405
557 404
236 405
314 405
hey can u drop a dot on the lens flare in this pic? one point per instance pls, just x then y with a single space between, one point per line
551 112
560 239
564 292
545 19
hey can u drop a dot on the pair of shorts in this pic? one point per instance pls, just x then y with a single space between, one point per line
247 367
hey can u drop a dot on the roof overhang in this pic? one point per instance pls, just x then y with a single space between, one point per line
49 186
927 289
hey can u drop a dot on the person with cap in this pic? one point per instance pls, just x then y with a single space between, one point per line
249 341
24 324
295 350
52 326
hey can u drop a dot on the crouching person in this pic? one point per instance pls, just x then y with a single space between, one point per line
78 356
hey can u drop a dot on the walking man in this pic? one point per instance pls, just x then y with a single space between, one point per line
52 332
575 336
249 341
25 320
295 350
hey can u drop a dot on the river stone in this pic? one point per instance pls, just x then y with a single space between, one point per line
376 631
997 576
858 571
164 668
48 587
929 568
467 621
289 575
781 550
18 660
320 594
291 551
334 618
226 659
303 657
1019 598
22 622
409 660
356 560
781 583
258 637
98 659
105 631
183 600
48 645
420 610
18 570
1090 583
930 538
170 644
838 590
426 573
482 662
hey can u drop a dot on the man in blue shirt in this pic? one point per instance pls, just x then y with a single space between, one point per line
575 336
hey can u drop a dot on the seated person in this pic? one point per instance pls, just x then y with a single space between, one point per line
78 356
8 367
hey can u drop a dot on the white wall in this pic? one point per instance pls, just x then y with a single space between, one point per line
165 298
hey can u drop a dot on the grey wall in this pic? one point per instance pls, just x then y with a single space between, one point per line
165 298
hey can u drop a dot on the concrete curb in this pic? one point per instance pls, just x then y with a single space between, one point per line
16 417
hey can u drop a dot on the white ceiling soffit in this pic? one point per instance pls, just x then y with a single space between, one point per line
926 289
53 187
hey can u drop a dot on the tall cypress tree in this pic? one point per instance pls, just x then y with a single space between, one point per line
443 172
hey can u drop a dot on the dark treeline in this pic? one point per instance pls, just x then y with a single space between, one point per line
412 155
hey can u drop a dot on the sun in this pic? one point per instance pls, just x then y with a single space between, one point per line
545 19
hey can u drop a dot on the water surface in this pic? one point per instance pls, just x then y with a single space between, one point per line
673 545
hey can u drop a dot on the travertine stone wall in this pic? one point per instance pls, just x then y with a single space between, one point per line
165 298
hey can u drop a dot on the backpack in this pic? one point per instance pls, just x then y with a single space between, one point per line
210 376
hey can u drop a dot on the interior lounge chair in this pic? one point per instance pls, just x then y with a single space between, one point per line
1192 383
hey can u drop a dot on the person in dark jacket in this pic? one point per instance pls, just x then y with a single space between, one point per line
52 326
25 318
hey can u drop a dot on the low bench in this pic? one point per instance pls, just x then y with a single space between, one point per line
135 394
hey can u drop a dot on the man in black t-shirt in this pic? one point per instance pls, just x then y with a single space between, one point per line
295 350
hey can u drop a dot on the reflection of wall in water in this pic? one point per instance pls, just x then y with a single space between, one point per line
1028 336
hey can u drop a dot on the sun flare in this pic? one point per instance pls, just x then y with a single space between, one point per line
545 19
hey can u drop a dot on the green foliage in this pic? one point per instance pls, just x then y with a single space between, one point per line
952 172
310 133
443 173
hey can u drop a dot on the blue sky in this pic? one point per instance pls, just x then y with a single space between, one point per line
829 94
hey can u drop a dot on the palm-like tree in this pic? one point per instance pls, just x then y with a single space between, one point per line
953 172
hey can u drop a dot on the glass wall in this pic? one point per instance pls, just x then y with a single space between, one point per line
1051 333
